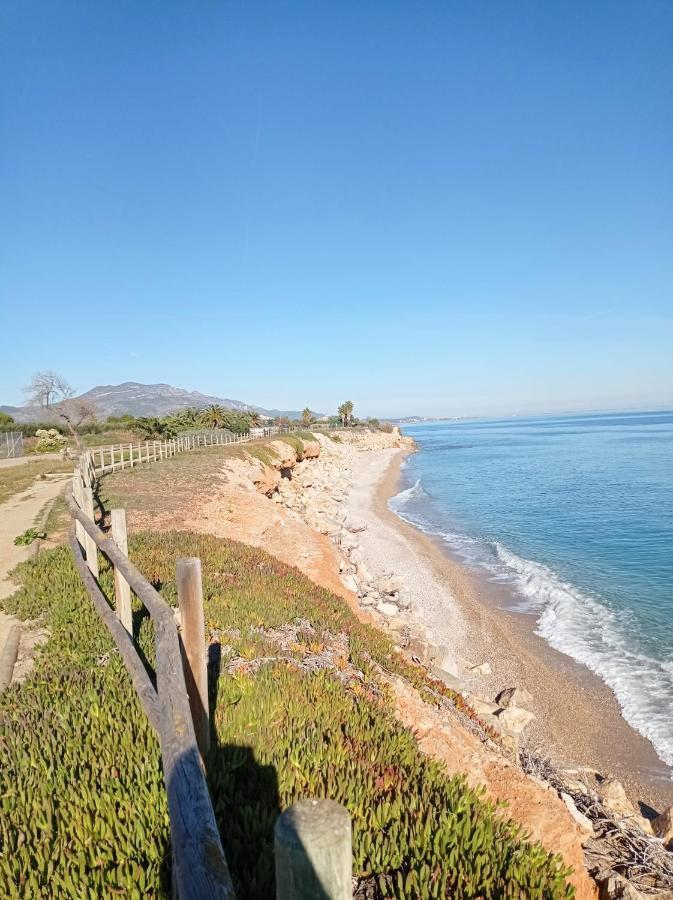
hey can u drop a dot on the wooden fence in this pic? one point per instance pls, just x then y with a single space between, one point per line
313 848
122 456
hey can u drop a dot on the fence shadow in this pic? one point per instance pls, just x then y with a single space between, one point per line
246 803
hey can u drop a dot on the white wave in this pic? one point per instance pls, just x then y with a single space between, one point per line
411 493
581 626
603 639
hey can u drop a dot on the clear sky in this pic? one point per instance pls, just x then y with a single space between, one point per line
439 207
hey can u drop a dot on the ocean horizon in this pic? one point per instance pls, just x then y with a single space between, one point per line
574 513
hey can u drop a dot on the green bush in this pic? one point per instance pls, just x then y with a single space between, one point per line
82 801
49 440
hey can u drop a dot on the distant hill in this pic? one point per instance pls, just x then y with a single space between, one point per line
135 399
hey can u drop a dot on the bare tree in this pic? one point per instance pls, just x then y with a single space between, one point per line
55 395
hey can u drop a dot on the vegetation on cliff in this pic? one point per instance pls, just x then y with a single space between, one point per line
298 710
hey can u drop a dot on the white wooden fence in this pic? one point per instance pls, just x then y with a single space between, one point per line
122 456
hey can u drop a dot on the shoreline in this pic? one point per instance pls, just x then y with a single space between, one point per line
578 721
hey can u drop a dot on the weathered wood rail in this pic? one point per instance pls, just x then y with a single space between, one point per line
199 865
313 838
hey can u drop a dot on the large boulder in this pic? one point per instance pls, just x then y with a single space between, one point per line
483 707
311 449
662 826
613 797
514 718
387 609
287 456
482 670
514 696
265 478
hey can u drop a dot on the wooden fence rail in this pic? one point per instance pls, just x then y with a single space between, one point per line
313 844
199 865
123 456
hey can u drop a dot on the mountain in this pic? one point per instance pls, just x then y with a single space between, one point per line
135 399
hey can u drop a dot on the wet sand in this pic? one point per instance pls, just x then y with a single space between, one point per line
578 720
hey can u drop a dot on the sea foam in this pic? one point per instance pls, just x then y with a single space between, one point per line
581 626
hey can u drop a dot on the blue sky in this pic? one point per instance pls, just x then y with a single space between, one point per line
437 208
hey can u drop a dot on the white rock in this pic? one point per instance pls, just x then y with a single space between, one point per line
515 719
483 707
387 609
447 678
514 696
389 584
363 572
482 669
350 582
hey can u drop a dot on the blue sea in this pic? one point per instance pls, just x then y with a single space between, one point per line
575 513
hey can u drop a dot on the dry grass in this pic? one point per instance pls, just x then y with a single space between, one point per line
164 486
15 479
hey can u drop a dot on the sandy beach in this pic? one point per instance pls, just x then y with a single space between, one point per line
578 719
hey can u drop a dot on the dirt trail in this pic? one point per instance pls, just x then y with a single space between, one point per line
17 515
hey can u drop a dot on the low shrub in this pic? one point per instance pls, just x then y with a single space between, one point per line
49 440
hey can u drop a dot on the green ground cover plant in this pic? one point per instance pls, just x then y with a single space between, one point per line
298 710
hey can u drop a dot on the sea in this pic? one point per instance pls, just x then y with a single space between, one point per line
575 514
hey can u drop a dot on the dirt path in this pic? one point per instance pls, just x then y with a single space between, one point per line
16 516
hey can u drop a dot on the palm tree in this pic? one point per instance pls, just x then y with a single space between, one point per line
346 412
213 416
255 419
152 428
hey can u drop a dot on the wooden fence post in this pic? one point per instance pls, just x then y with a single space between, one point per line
313 852
89 543
122 589
79 500
193 645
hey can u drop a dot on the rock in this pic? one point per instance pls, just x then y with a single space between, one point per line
387 609
419 650
514 696
515 719
447 678
482 669
613 796
286 457
483 707
311 450
389 584
350 582
445 659
612 886
355 526
363 573
662 826
579 781
583 822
